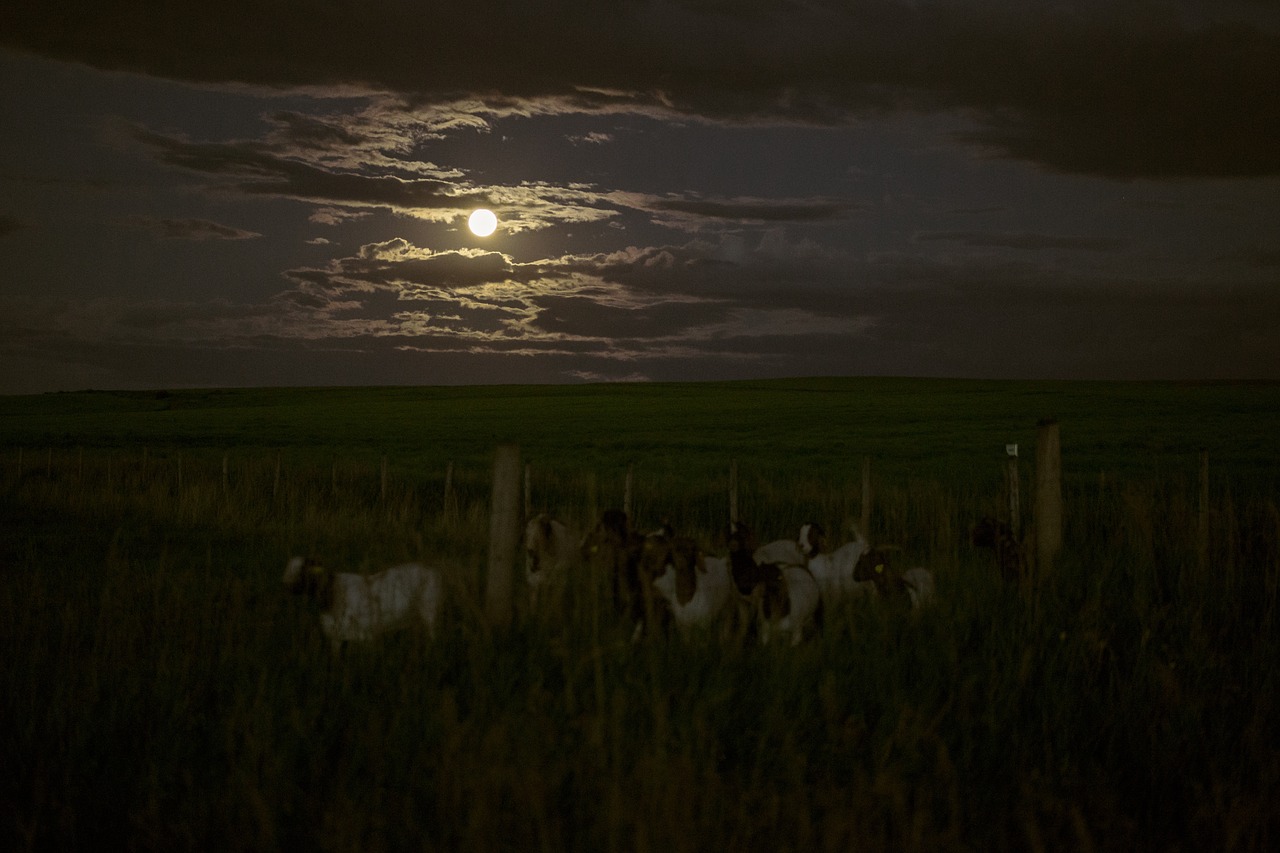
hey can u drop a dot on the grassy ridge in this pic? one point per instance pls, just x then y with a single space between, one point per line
160 689
831 421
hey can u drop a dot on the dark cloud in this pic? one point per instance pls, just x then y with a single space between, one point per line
1117 89
273 169
1026 240
191 229
314 132
755 210
254 169
258 168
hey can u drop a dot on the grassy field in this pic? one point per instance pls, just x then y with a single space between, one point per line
159 690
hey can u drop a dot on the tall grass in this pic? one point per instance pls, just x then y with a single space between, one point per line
159 690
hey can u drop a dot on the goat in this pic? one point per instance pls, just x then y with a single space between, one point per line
999 536
916 584
812 539
697 588
614 549
782 598
551 550
835 570
360 607
793 552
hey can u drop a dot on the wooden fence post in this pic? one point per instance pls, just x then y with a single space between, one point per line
1202 527
226 477
626 491
448 490
593 495
733 492
1015 500
275 482
504 535
864 520
384 478
1048 496
528 490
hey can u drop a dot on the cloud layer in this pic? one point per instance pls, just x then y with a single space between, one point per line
1115 89
686 189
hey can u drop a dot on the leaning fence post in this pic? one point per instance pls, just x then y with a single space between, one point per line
504 535
1048 495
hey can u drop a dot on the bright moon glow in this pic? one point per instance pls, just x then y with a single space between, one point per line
482 222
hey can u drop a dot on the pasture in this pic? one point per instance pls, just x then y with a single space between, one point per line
160 690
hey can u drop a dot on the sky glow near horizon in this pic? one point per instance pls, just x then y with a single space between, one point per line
278 194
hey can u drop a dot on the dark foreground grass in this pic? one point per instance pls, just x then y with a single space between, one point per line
159 691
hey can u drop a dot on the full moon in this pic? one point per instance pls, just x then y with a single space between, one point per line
482 222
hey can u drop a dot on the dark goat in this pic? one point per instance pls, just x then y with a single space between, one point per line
999 537
614 549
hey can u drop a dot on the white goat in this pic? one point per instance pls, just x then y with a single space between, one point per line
697 588
916 583
919 584
835 570
551 549
360 607
793 552
781 552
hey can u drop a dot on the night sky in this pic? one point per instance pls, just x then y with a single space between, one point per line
276 192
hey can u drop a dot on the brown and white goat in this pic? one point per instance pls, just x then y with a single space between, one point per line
696 587
793 552
782 599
